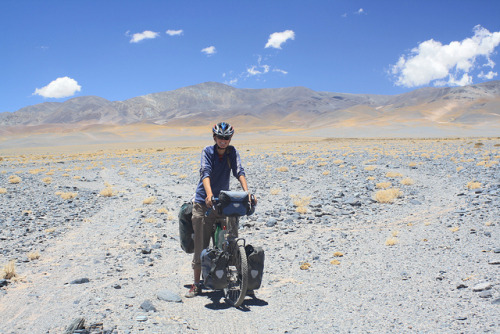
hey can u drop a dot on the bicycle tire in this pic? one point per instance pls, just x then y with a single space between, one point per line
236 289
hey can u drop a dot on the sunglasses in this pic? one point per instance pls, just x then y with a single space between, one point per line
223 137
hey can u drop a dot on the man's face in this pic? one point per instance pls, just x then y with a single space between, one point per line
222 142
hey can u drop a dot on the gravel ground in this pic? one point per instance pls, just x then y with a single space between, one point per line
337 260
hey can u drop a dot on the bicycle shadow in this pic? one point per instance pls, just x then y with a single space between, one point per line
218 302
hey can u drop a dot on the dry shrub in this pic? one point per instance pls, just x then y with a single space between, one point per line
338 254
300 162
412 164
455 229
305 266
149 200
459 168
162 210
370 168
301 200
3 190
50 230
275 191
326 172
282 169
9 270
14 179
47 180
321 164
183 176
387 195
107 192
33 256
335 262
393 174
150 220
383 185
68 195
473 185
301 209
370 178
407 181
391 242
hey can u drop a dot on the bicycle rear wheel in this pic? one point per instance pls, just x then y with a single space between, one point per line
236 290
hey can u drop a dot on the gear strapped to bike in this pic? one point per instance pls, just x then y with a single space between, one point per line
231 265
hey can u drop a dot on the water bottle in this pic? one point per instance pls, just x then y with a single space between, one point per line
221 237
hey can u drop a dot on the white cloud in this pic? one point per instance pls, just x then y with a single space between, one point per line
147 34
278 38
61 87
432 61
360 11
174 32
280 71
488 76
209 50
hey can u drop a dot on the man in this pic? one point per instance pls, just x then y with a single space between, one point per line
217 163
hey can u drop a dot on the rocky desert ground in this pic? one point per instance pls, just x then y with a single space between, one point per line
378 236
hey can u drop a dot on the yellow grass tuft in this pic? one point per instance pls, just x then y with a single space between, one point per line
282 169
407 181
393 174
383 185
455 229
149 200
163 210
47 180
301 209
338 161
14 179
473 185
370 178
387 195
107 192
338 254
335 262
68 195
326 172
150 220
3 190
391 242
459 168
301 200
305 266
369 168
33 256
9 270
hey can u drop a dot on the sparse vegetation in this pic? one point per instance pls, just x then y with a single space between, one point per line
14 179
149 200
9 270
3 191
407 181
383 185
107 192
388 195
282 169
473 185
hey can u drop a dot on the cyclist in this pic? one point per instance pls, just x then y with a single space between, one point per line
217 163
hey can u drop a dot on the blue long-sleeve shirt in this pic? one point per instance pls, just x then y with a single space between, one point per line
218 169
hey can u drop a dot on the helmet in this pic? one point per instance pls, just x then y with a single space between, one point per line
223 129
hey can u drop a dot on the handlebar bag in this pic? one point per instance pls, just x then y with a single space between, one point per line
234 203
186 231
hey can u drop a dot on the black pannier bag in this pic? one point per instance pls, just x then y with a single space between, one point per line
186 231
255 256
234 203
214 268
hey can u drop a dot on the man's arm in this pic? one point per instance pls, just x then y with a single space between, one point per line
208 191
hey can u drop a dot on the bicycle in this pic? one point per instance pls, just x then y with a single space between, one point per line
233 252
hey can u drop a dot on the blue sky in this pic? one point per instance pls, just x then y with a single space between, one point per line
57 50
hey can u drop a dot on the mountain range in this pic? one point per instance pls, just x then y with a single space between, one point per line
293 108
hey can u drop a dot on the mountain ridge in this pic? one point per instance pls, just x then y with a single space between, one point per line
287 107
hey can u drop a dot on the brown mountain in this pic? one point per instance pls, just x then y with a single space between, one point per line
296 108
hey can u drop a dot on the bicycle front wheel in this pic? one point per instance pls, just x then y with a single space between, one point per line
236 289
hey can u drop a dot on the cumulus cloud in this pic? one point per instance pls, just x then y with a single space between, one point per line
276 39
61 87
209 50
147 34
360 11
488 76
174 32
449 64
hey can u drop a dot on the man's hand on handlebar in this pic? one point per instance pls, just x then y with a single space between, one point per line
209 201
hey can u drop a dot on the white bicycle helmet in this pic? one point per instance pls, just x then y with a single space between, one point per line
223 129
